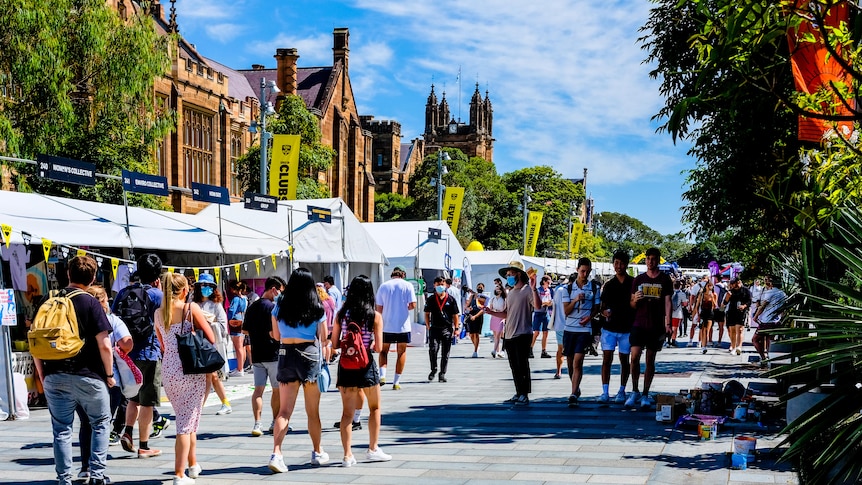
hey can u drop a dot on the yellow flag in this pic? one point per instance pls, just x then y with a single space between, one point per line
217 272
80 253
452 202
197 272
170 269
284 168
46 247
257 266
534 223
115 263
575 238
290 252
273 262
7 233
236 271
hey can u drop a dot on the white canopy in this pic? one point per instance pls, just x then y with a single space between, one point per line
340 248
565 267
485 265
406 243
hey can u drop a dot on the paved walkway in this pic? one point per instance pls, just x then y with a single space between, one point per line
453 433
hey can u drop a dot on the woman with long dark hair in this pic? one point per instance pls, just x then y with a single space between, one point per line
352 383
299 323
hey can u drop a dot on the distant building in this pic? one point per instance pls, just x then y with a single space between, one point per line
475 139
392 162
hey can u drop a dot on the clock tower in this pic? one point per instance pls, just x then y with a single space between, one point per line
442 129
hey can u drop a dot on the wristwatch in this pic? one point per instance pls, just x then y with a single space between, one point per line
110 376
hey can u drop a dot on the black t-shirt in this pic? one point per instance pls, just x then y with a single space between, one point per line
92 321
258 324
740 296
442 312
616 296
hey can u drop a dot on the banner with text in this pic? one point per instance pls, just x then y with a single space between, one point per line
534 223
284 168
575 239
452 202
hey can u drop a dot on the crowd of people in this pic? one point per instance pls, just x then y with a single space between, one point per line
289 334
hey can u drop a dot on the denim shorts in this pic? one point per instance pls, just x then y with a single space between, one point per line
540 321
298 362
610 341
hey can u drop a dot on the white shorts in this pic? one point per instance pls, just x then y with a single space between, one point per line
610 341
264 370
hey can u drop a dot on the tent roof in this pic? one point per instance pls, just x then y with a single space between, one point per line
500 257
313 242
402 239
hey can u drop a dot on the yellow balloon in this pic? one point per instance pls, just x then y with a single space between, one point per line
475 246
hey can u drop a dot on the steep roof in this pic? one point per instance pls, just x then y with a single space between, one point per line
238 86
311 83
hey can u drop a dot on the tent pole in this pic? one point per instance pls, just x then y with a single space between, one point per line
222 255
128 231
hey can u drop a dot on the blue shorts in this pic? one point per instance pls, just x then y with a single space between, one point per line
559 337
576 343
610 341
540 321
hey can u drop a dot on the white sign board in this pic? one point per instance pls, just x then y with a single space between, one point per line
8 310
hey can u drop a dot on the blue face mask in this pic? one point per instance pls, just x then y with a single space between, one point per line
511 280
440 289
207 291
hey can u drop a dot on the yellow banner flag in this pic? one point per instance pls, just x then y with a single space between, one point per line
80 253
452 202
575 238
197 273
217 272
284 168
7 233
534 223
257 266
46 247
273 262
236 271
115 263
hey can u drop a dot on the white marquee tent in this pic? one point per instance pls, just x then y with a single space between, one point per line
406 243
485 265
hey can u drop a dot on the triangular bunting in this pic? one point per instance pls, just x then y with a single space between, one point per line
115 263
46 247
236 270
81 253
197 273
257 266
7 233
273 262
217 272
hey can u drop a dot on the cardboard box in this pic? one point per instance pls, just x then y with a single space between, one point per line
668 408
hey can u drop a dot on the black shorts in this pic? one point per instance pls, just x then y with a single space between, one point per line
735 318
367 377
298 362
150 392
718 315
475 326
647 338
576 342
396 338
705 314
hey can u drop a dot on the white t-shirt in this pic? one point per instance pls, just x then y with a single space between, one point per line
394 296
773 297
559 321
582 308
18 256
119 330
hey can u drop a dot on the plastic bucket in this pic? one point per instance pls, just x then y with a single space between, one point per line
744 445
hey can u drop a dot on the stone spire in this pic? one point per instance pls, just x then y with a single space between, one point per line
172 24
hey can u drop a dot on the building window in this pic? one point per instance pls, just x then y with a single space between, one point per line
379 160
162 158
235 152
197 147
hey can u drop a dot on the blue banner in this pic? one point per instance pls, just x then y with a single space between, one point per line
143 183
210 193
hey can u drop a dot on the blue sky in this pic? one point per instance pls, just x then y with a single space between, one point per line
566 78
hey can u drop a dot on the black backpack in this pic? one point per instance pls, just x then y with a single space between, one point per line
134 310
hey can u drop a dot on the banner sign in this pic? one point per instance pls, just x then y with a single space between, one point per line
434 233
260 202
452 202
210 193
575 238
8 309
67 170
534 223
143 183
284 168
319 214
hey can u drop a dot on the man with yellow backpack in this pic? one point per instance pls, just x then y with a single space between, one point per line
72 351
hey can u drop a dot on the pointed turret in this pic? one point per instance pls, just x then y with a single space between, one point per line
489 115
444 110
432 113
477 112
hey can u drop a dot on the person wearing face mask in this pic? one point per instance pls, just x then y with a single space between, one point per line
441 321
518 331
209 298
498 304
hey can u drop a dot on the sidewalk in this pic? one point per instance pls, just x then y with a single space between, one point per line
453 433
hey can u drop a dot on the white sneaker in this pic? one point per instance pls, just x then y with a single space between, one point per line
237 373
647 402
620 397
739 351
195 471
276 464
318 459
604 398
83 476
224 409
256 430
632 401
377 455
475 355
348 461
501 355
184 480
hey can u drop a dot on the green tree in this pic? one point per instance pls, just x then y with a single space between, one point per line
80 85
293 118
390 207
621 231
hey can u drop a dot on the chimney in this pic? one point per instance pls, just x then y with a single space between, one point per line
340 46
286 77
257 67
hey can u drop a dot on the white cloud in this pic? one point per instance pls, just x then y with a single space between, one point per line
313 50
224 33
206 9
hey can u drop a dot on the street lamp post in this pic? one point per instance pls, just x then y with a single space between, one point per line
266 109
441 169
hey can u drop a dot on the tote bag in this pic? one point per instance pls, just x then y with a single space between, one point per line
197 354
126 373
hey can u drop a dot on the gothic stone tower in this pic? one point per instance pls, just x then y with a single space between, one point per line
442 130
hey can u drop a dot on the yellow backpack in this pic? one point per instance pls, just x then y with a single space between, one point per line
54 334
